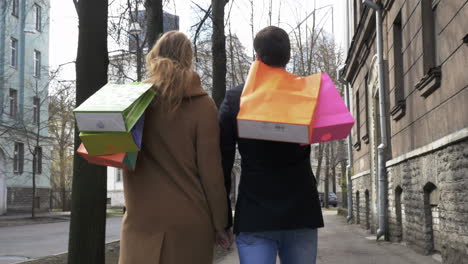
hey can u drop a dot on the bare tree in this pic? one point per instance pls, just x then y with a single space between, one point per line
128 29
61 130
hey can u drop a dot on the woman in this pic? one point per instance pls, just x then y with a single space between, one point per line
175 197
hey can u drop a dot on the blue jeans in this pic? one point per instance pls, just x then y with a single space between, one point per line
293 246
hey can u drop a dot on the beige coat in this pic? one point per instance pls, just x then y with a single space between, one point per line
175 198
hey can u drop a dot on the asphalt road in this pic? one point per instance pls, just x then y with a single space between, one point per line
20 243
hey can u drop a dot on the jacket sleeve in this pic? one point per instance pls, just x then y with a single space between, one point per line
209 165
228 138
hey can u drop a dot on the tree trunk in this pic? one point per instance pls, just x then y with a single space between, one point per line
62 177
139 59
154 21
319 160
333 162
327 172
88 218
344 190
218 51
33 211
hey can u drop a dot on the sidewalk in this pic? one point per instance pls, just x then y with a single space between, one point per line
343 243
40 218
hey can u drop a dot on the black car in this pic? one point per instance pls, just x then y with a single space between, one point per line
332 199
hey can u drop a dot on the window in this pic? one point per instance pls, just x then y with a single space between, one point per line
432 72
38 17
18 158
357 146
398 110
37 64
357 12
13 103
36 110
14 52
365 138
118 175
37 161
429 34
14 8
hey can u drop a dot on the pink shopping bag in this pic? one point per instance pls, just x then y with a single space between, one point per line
333 121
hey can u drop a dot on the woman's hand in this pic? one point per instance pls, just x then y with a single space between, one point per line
224 239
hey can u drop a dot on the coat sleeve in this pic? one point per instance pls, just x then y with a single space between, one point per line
228 138
209 165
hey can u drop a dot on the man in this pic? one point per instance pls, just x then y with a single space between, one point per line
278 207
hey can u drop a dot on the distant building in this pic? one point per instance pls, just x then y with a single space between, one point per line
23 104
426 93
170 22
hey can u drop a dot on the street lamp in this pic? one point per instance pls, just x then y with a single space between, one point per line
135 31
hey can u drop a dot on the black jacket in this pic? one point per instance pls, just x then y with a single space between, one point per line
277 189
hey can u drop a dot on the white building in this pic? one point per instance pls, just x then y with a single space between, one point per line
24 78
115 197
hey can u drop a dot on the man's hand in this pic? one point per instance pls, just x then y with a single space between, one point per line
224 239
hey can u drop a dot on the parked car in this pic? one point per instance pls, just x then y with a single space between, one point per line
332 199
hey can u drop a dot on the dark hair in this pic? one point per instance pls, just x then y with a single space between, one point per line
272 46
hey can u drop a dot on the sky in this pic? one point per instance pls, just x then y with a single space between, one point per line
64 22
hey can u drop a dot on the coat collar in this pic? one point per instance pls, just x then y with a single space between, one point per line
195 88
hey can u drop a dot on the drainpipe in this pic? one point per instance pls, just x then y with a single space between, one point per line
350 163
349 167
2 54
22 50
382 231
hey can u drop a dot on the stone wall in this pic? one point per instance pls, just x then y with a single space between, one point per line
19 199
434 202
362 208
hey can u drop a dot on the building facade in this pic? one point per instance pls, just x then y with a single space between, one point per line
425 60
24 78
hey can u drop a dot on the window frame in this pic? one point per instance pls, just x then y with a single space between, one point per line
18 158
365 138
15 8
399 107
357 145
37 64
13 103
118 175
36 110
13 52
38 17
431 80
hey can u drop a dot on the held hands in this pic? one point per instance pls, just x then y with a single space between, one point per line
224 239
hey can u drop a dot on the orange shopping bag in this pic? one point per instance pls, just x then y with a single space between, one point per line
277 105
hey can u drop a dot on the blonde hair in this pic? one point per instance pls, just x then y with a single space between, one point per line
169 67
